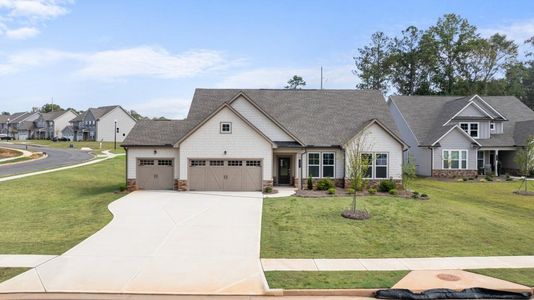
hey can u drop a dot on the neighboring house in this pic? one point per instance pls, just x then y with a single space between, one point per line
23 127
246 140
105 123
51 125
462 136
9 122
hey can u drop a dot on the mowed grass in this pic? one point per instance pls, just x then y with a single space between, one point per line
333 279
460 219
519 276
50 213
6 273
77 145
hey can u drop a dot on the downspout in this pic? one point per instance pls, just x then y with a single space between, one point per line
302 168
431 162
126 174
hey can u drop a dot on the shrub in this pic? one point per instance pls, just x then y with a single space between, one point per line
386 185
415 195
268 189
122 188
489 178
464 179
372 191
331 191
350 191
310 183
393 192
424 195
325 184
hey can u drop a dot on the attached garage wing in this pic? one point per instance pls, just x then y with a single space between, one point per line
155 174
225 175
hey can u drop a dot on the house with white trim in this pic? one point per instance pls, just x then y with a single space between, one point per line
250 139
451 136
105 123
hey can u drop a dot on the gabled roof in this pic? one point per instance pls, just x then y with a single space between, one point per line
157 132
440 134
50 116
368 124
98 112
14 117
426 115
26 125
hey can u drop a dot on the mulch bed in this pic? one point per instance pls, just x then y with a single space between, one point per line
523 193
356 215
7 153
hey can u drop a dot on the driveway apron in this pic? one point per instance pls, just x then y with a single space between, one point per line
164 242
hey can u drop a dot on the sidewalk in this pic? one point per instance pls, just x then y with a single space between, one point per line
393 264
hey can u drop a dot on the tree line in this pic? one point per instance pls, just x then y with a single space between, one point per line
448 58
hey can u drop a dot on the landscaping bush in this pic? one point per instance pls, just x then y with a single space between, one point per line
415 195
386 185
489 178
393 192
424 195
372 191
310 183
268 189
325 184
350 191
331 191
122 188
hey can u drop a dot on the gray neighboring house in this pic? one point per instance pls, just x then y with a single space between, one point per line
462 136
22 127
250 139
51 125
9 123
105 123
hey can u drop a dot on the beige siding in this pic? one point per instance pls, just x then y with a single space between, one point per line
256 117
105 130
148 152
380 141
455 140
61 122
243 142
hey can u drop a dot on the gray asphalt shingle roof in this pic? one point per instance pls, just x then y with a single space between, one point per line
97 112
315 117
50 116
427 114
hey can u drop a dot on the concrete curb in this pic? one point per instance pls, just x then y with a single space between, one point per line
26 161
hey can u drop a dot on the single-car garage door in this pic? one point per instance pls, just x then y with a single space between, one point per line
155 174
225 175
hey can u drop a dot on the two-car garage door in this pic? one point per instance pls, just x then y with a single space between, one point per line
225 175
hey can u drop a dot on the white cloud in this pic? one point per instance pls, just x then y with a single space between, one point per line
333 77
113 64
22 33
149 61
170 107
517 31
20 19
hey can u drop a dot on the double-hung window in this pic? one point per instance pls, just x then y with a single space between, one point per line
454 159
321 164
314 164
470 128
377 165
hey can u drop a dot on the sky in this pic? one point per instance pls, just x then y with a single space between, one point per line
150 55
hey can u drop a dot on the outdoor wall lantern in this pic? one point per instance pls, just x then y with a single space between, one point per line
224 152
155 152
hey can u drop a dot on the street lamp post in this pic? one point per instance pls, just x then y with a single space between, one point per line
115 138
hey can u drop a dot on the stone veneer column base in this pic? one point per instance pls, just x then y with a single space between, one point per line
132 185
181 185
296 183
266 183
454 173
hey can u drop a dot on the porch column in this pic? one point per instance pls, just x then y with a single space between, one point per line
496 163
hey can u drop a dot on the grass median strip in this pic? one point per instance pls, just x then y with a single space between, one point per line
50 213
7 273
519 276
460 219
333 279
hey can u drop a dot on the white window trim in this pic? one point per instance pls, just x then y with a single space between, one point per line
310 165
373 165
322 165
469 128
483 158
459 160
492 126
221 128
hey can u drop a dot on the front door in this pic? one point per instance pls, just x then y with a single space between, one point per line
284 170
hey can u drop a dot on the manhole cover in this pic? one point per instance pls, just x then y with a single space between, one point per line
448 277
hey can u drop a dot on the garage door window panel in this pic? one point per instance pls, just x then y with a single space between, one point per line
253 163
235 163
146 162
165 162
198 163
217 163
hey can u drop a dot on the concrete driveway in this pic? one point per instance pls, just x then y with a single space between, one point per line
162 242
56 158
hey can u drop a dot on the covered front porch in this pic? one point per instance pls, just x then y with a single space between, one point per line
286 167
496 161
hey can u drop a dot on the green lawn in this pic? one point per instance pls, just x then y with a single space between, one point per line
520 276
333 279
78 145
460 219
50 213
6 273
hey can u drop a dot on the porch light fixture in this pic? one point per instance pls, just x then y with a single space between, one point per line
155 152
225 152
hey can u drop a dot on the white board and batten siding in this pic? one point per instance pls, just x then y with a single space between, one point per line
135 153
260 121
380 141
243 143
455 140
106 125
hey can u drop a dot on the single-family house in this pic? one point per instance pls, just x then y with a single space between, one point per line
458 136
51 124
246 140
23 126
105 123
9 122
